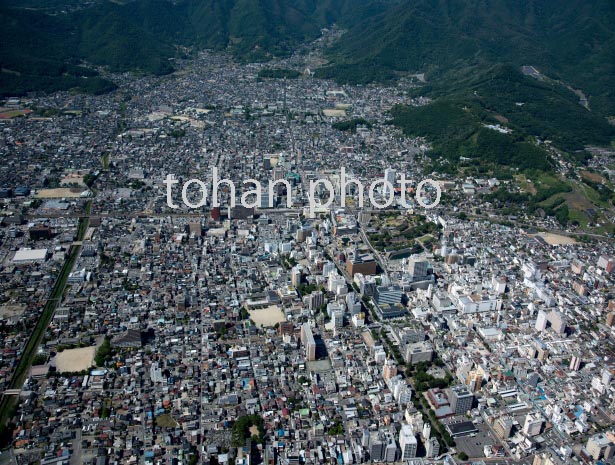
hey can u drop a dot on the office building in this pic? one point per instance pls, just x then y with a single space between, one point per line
503 427
461 399
533 425
361 263
307 339
389 176
388 295
418 269
407 442
432 448
419 352
600 446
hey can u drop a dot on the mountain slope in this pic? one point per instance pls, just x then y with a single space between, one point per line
573 41
43 43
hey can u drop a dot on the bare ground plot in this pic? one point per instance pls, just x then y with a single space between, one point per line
268 316
11 311
556 239
71 360
60 193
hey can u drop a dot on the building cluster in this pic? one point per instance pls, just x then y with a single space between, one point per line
232 334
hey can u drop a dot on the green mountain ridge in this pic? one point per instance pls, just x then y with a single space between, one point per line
573 41
470 50
42 47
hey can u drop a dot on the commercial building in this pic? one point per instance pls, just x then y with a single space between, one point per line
533 425
407 442
418 269
307 339
419 352
26 256
387 311
388 295
503 427
599 447
461 399
361 263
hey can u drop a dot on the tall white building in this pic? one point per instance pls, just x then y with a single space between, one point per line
533 425
327 268
407 442
389 175
432 448
426 431
337 318
335 283
541 321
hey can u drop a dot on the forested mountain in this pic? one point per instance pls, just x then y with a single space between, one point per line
471 51
43 42
573 41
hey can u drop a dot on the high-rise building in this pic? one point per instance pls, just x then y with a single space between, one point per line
307 338
278 173
532 425
316 300
610 319
461 399
389 176
541 321
265 199
599 446
337 318
390 451
606 263
502 427
417 269
407 442
607 376
426 431
474 380
286 328
558 321
376 447
335 282
432 448
295 276
389 370
575 362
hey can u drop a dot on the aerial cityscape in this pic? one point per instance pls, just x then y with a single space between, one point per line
274 252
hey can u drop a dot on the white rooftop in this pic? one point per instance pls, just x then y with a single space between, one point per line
30 255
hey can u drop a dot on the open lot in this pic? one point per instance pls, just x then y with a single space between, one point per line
556 239
60 193
268 316
71 360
